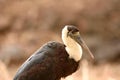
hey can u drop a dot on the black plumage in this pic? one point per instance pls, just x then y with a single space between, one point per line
50 62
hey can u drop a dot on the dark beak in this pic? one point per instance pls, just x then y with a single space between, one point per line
81 42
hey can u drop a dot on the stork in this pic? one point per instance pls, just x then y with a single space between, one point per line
55 60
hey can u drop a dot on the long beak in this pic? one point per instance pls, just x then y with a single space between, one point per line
86 48
81 42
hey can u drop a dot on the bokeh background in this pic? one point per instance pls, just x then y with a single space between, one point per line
25 25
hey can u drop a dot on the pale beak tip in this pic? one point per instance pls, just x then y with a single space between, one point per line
93 57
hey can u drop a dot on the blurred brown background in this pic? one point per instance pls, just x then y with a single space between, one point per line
25 25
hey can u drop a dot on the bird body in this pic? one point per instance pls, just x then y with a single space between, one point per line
54 60
46 65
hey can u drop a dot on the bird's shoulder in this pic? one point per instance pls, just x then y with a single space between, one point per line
50 49
53 45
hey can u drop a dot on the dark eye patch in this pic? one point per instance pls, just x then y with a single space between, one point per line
72 29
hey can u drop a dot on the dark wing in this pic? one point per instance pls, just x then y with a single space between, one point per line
51 62
41 64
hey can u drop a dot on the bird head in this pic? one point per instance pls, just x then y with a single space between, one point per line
71 33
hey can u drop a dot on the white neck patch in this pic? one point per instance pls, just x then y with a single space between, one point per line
72 47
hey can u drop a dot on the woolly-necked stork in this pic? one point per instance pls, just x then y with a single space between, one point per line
54 60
